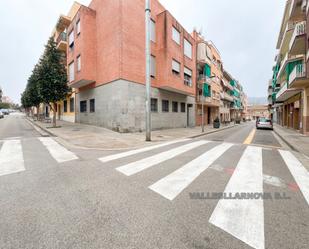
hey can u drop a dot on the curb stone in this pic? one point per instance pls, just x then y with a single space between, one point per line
213 131
287 142
40 129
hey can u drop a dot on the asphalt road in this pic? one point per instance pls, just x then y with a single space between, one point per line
57 197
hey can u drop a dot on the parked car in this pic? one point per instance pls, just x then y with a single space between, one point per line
264 123
1 114
5 111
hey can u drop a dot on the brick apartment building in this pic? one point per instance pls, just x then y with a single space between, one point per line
106 64
104 46
288 91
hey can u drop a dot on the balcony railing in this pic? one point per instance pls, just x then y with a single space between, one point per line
282 90
62 37
298 72
300 29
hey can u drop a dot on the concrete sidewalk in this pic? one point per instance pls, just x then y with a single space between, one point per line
294 139
94 137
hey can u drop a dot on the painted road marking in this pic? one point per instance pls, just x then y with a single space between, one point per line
244 219
173 184
57 151
133 152
274 181
267 179
249 139
11 157
135 167
298 171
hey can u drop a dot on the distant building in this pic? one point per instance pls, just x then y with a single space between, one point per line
1 94
255 111
6 99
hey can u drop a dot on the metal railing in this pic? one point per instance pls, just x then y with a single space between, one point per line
62 37
298 72
300 29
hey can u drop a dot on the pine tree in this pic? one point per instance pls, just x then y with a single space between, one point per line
52 81
30 96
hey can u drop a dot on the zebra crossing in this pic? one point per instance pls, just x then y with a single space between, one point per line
242 219
173 184
12 155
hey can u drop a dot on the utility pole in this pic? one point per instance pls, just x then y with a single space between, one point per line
148 79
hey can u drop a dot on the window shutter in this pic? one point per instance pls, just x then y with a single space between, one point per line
176 66
188 71
207 70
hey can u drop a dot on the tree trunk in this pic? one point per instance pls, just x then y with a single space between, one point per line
38 111
55 115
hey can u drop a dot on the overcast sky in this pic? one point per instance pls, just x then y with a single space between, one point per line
244 31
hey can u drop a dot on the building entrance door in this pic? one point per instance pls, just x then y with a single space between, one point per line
190 115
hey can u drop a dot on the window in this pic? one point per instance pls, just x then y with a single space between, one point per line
175 106
154 105
78 27
176 35
92 105
71 71
78 63
183 107
165 105
65 106
71 104
187 48
71 39
187 76
83 106
175 67
153 66
152 30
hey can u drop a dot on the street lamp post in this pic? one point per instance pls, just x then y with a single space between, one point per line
148 80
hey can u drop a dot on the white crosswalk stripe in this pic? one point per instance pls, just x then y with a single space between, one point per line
133 152
173 184
135 167
298 171
244 219
11 157
57 151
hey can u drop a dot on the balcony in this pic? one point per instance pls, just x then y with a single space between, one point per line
226 96
287 59
209 101
202 52
297 10
80 83
227 85
298 77
62 41
62 23
298 40
283 46
285 93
